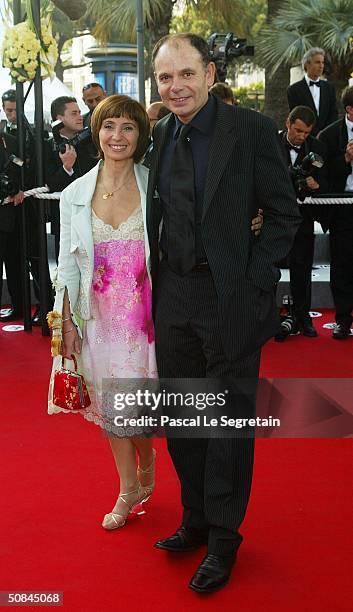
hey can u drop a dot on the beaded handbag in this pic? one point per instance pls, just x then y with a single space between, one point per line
70 390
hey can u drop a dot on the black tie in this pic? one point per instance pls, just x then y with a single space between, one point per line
181 217
293 147
317 83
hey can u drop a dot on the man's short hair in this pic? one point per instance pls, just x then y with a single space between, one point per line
347 97
121 106
195 41
304 113
309 54
222 91
9 96
58 105
89 85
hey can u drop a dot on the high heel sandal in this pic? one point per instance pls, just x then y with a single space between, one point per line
114 520
148 489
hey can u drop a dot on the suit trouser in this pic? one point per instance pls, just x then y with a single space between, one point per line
10 254
301 263
32 223
340 222
341 275
215 473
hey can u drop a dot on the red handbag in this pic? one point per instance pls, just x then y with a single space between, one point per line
70 390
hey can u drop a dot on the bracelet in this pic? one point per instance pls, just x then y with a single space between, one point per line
69 330
68 319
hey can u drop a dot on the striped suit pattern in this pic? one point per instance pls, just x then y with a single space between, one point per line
214 324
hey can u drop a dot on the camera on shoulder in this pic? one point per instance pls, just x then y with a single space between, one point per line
9 177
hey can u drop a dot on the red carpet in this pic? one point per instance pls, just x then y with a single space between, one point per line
58 480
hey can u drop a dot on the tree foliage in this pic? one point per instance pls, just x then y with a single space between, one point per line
243 17
301 24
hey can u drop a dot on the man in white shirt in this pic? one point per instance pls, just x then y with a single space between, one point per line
297 143
313 91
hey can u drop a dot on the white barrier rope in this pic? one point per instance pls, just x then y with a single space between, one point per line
41 193
330 201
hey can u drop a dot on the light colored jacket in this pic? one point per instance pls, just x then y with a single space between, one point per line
76 258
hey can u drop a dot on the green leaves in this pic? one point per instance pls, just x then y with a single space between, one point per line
299 25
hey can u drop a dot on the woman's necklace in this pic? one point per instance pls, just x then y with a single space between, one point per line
109 194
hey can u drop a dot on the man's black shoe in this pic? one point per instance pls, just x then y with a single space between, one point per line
341 331
306 327
212 574
37 318
184 540
11 315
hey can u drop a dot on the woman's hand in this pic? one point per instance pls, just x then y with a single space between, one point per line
71 340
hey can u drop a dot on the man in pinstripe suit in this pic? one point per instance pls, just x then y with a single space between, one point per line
214 285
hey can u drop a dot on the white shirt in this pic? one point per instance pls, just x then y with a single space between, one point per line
349 182
315 92
293 154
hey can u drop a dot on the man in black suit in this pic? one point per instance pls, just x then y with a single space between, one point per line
9 232
313 91
92 94
297 143
8 100
62 168
9 255
213 166
338 139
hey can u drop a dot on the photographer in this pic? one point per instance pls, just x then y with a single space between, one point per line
67 157
9 235
8 100
14 246
308 179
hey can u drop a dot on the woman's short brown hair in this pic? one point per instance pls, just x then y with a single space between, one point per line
121 106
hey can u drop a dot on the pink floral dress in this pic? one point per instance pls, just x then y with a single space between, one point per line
118 341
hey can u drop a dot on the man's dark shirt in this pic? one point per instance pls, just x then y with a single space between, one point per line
200 140
87 119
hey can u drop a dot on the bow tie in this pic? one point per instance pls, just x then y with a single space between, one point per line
291 146
317 83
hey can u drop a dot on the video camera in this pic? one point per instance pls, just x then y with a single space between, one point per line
60 144
299 173
224 48
8 183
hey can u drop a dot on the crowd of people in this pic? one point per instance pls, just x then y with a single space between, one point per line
164 271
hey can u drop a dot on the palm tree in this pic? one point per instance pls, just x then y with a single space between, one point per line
276 84
74 9
117 19
301 24
119 16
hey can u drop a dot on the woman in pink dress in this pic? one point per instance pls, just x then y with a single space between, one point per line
103 290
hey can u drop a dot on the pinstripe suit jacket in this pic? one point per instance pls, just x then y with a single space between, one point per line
246 171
